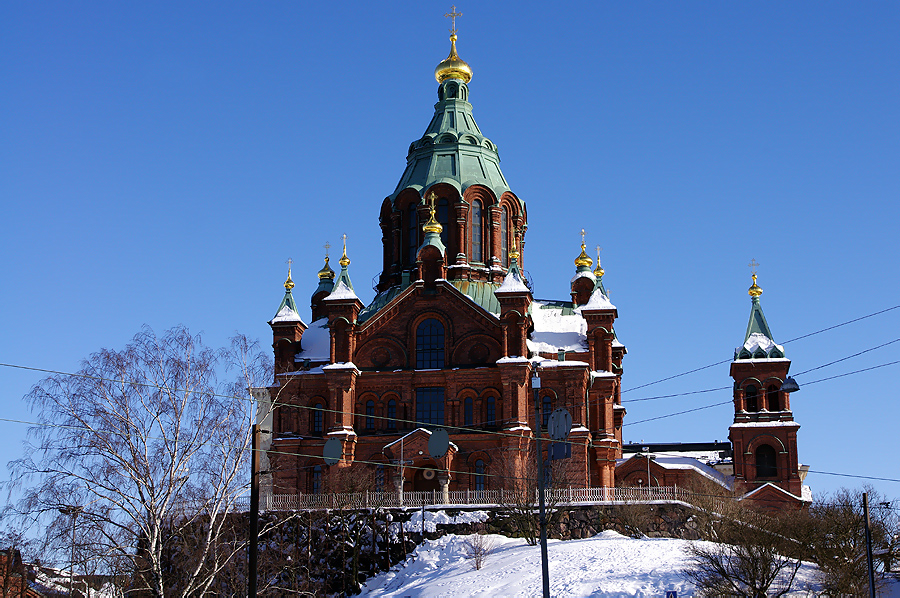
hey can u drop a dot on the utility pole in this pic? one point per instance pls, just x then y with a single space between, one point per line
254 512
545 571
869 546
73 511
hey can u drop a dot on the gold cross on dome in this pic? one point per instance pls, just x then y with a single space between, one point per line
452 16
289 262
582 237
753 266
327 246
599 249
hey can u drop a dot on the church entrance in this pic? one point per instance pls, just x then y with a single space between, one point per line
426 480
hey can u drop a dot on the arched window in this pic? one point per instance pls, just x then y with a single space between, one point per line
392 414
316 482
412 233
430 345
477 231
504 236
765 462
547 409
443 216
318 412
772 398
370 415
491 411
467 415
750 397
379 478
479 475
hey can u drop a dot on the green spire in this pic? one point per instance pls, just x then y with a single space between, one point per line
287 309
758 341
343 278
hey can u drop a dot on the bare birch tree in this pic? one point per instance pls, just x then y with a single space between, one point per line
151 446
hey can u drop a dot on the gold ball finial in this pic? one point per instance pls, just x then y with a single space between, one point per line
453 67
289 284
583 259
754 290
432 226
598 271
344 261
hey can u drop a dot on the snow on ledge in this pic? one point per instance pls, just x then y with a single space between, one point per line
515 359
774 424
512 284
341 366
549 363
597 301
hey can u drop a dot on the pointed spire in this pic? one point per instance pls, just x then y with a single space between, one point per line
343 288
432 230
758 340
287 309
514 282
432 226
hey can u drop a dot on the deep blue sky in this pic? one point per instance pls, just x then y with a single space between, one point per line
160 161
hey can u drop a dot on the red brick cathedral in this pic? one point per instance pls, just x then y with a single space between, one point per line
454 337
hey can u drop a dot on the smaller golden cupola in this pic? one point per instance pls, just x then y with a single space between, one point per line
326 273
598 271
583 260
432 226
755 290
289 284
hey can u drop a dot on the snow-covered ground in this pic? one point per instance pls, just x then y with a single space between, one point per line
608 565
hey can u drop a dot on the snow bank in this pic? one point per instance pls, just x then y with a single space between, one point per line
608 565
435 518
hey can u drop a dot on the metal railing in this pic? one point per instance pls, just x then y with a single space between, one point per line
488 498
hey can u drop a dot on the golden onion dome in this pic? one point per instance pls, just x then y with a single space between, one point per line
289 284
583 259
326 272
754 291
453 67
598 271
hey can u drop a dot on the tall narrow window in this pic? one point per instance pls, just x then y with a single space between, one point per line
430 345
479 475
504 236
412 233
772 398
317 418
750 396
392 414
430 406
370 415
477 231
468 412
547 408
491 412
316 482
379 478
765 462
443 216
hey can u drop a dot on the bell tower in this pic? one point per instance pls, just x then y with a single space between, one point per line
764 433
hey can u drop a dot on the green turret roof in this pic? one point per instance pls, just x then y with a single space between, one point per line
757 323
452 150
758 341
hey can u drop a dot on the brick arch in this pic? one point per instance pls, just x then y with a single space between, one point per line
412 331
498 416
366 356
360 410
310 414
467 350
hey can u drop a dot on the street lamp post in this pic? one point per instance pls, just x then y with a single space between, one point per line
545 571
73 511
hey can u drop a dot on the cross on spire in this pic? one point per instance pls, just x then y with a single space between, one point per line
327 246
452 16
599 249
753 266
582 237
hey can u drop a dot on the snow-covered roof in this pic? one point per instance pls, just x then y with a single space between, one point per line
679 461
597 301
778 488
341 292
286 314
555 331
315 342
757 341
407 435
584 274
512 283
341 366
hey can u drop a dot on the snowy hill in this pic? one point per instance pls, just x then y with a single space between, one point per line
608 565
